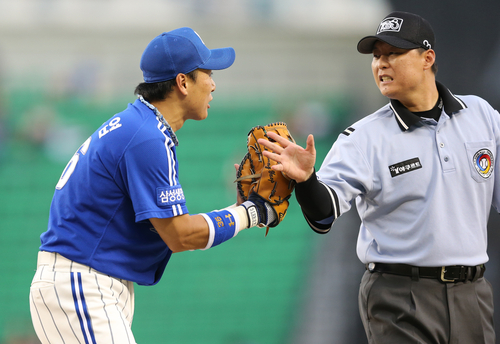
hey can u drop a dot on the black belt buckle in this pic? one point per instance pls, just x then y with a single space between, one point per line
443 278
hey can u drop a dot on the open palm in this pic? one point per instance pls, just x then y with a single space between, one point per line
295 161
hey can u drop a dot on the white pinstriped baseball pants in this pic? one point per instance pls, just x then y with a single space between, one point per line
72 303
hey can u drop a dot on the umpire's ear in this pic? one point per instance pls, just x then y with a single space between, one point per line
429 58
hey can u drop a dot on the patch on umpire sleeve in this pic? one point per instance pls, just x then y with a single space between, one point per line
169 195
405 167
348 131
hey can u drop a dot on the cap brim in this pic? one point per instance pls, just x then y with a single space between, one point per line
219 59
365 45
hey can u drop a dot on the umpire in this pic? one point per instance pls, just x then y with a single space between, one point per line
423 173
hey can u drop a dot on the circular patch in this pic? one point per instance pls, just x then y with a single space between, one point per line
483 162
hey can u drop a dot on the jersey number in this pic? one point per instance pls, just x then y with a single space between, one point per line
70 167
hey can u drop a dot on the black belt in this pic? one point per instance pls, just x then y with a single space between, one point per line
446 274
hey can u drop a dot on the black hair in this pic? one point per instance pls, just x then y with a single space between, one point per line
158 91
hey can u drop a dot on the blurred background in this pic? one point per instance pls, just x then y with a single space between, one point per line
66 66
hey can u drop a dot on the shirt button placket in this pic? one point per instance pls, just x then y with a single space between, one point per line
446 158
447 163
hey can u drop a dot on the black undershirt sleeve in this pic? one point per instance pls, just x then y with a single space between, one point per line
314 199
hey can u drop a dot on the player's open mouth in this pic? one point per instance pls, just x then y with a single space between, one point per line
385 78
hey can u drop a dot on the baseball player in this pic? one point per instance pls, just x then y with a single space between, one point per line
119 210
423 173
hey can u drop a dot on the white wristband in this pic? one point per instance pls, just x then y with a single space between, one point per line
241 213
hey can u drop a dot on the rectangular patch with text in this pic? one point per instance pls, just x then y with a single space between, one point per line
405 167
169 195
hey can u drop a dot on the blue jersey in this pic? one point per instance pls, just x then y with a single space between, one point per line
123 175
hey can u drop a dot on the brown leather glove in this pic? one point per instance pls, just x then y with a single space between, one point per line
255 173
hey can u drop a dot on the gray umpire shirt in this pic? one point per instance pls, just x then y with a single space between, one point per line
423 189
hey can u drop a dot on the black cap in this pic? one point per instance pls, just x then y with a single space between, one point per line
401 30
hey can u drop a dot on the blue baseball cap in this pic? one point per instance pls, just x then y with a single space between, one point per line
181 51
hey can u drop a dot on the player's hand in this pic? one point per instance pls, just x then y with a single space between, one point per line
295 161
239 199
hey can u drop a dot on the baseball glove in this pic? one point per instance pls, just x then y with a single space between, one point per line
255 173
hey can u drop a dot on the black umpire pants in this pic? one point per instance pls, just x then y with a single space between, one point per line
396 309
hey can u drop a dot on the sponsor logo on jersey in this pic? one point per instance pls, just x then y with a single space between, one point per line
391 24
405 167
170 195
483 162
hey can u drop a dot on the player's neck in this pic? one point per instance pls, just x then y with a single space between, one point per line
172 113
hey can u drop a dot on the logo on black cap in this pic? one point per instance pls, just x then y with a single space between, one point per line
391 24
416 33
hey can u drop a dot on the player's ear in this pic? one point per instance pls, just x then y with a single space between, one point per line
181 81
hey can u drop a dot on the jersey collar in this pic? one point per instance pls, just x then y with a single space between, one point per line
406 118
160 118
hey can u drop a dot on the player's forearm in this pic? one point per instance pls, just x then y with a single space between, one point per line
227 223
183 233
206 230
